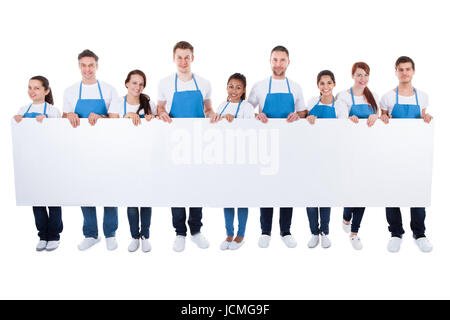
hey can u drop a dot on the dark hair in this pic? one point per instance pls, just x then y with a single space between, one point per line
280 48
87 53
183 45
144 100
367 93
240 77
404 59
46 85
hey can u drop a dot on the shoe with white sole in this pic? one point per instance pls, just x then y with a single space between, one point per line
236 245
42 244
424 244
356 242
88 243
314 241
146 246
225 245
289 241
134 245
52 245
264 241
347 227
111 243
200 240
394 244
179 243
325 241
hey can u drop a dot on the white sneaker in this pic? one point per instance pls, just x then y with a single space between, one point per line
179 244
236 245
87 243
200 241
264 241
289 241
134 245
394 244
52 245
42 244
347 227
146 246
356 242
111 243
314 241
225 245
424 244
325 241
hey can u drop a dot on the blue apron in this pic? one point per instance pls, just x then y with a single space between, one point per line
278 105
125 108
187 104
360 110
323 111
237 111
85 107
35 114
409 111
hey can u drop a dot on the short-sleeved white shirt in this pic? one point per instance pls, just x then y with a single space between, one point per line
166 88
388 100
51 111
117 107
260 90
346 98
246 110
339 107
90 91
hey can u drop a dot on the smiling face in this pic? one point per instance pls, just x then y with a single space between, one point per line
279 61
235 89
88 67
183 59
36 91
361 78
405 72
135 85
326 85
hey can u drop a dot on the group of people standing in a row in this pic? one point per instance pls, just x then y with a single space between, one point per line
183 95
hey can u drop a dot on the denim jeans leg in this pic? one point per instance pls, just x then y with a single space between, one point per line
110 221
55 224
195 220
285 220
394 218
325 220
242 218
347 216
229 221
418 222
179 221
358 213
133 220
313 217
146 217
266 220
41 221
90 229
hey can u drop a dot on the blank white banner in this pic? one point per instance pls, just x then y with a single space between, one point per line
191 162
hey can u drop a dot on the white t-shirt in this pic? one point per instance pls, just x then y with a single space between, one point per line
346 98
246 110
340 107
388 101
90 91
260 90
117 107
166 88
51 111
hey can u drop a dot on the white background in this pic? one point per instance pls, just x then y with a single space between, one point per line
44 37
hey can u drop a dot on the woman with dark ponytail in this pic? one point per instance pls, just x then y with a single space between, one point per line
48 224
136 105
361 103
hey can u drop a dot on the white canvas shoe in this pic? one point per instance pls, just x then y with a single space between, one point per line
111 243
347 227
200 241
225 245
325 241
394 244
146 246
424 244
134 245
52 245
88 242
179 243
289 241
264 241
42 244
314 241
236 245
356 242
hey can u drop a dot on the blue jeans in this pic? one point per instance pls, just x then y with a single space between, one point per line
110 222
313 217
229 221
179 220
49 226
394 218
133 219
355 215
285 220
